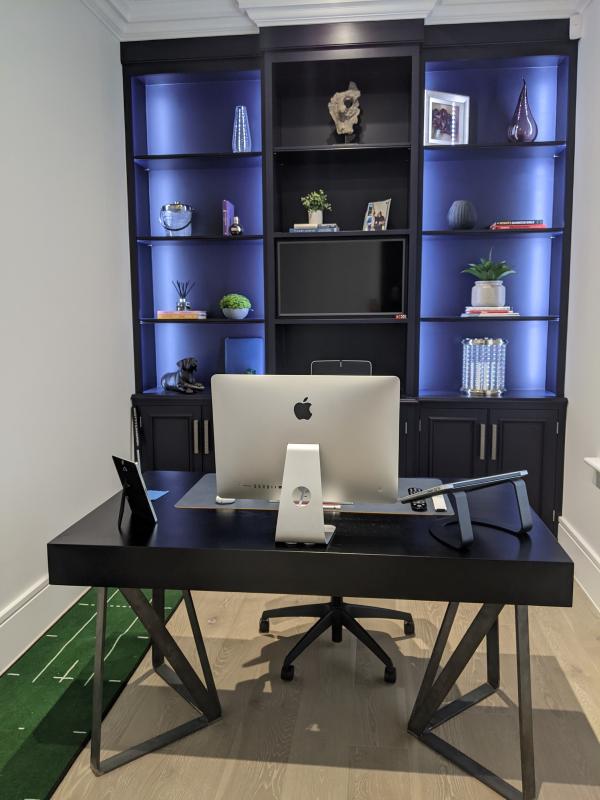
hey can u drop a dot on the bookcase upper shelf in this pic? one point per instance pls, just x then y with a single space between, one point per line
198 160
443 152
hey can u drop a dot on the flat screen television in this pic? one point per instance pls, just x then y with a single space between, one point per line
347 277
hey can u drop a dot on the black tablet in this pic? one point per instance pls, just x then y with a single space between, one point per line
134 489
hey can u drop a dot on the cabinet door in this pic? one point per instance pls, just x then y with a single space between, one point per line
171 437
527 439
453 442
409 437
207 440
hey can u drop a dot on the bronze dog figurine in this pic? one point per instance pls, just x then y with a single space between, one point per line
182 380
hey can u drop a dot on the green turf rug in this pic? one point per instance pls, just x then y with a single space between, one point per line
46 696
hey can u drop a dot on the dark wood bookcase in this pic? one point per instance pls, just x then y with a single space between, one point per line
179 102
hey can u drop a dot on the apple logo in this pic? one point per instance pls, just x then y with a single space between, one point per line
302 410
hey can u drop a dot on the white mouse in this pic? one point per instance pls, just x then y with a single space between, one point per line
224 501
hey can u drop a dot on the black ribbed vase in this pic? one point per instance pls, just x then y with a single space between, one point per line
462 215
523 127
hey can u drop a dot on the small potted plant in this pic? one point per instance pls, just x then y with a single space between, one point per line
315 203
235 306
489 289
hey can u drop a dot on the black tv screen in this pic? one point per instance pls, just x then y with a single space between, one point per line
341 277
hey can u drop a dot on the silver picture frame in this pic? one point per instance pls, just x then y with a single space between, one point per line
446 118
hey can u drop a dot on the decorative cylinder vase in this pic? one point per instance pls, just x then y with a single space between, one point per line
315 217
523 127
484 367
462 215
488 293
241 141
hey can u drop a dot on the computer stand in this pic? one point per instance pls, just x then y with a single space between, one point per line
300 519
458 532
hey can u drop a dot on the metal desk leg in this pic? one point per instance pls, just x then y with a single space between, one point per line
428 712
180 676
158 604
525 704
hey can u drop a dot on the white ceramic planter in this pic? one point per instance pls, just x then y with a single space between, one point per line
315 217
235 313
488 293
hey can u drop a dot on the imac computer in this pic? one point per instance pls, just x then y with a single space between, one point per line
305 440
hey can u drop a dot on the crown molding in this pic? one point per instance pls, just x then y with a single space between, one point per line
269 13
134 20
137 20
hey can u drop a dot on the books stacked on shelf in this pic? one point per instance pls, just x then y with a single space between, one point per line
490 311
191 314
518 225
324 227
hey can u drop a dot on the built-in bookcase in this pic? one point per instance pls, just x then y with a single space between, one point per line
181 132
306 153
503 181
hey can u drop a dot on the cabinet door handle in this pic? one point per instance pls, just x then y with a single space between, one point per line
494 442
482 442
206 439
195 434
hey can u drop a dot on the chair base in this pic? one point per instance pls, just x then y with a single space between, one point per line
337 615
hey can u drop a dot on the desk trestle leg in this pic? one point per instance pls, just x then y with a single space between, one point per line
181 676
428 712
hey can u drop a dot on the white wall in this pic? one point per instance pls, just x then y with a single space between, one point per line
65 329
580 524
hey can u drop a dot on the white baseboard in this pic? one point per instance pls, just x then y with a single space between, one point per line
585 558
25 619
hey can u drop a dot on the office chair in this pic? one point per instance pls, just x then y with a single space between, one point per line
338 614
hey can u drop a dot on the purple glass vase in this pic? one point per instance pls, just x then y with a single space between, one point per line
523 127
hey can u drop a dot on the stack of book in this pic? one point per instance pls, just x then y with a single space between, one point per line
181 314
489 311
518 224
325 227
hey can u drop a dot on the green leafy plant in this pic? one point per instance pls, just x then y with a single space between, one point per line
489 270
234 301
316 201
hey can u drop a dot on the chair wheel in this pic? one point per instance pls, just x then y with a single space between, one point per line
390 675
287 672
263 626
409 628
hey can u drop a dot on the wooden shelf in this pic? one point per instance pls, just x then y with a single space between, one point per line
357 234
198 160
337 148
446 152
552 318
480 232
356 320
210 321
195 239
513 394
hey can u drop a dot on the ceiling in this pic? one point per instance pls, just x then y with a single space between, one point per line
161 19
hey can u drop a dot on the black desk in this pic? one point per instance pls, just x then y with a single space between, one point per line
369 556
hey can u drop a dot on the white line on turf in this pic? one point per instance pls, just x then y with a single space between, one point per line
114 680
83 732
116 642
65 676
75 635
52 635
14 674
20 729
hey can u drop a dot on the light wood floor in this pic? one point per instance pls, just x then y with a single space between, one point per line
338 732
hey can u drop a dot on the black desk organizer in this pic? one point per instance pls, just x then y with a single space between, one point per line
459 531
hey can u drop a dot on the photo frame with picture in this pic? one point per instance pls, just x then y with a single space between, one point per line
446 118
376 215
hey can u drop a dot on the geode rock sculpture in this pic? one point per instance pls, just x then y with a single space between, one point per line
345 110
